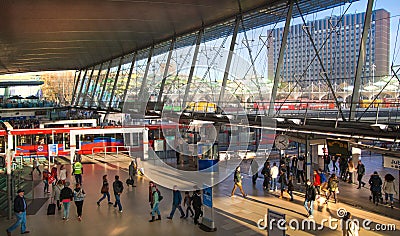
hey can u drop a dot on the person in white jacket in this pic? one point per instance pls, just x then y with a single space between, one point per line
389 188
274 177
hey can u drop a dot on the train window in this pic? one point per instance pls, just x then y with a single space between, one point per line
66 141
2 144
40 139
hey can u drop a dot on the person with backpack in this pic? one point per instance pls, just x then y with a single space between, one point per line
56 193
155 201
237 178
333 187
66 196
118 187
79 197
266 172
360 173
188 202
376 187
105 190
309 199
196 203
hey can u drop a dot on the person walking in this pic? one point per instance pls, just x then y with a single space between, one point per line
132 172
360 173
20 213
237 178
317 182
333 187
254 171
188 203
266 172
196 206
45 178
324 182
290 187
63 174
300 170
53 173
78 171
66 196
309 199
327 161
118 187
155 201
79 197
283 182
389 188
350 170
56 193
105 190
176 203
274 177
36 165
334 160
376 187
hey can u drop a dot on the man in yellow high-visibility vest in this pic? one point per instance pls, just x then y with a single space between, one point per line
77 171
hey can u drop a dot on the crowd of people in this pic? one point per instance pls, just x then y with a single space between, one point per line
30 123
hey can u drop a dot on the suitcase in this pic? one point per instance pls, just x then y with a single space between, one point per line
129 182
51 209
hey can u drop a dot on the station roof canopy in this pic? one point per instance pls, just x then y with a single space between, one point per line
44 35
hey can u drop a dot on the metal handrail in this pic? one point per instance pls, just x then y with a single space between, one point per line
105 149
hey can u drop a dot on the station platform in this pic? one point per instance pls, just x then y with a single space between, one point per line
233 215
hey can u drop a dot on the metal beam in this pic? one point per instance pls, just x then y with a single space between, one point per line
76 80
99 99
80 90
192 67
115 83
171 49
274 91
129 78
360 63
146 72
95 86
229 60
87 87
321 63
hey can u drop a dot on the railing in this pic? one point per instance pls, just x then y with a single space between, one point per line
119 149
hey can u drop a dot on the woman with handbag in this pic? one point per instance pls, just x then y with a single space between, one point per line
79 196
105 191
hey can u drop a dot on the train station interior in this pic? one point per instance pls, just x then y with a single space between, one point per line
246 117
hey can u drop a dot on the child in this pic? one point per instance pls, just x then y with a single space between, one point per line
188 202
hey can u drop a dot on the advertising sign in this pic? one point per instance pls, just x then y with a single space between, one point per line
159 145
53 150
338 148
207 196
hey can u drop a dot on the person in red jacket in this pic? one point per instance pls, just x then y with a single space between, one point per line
317 182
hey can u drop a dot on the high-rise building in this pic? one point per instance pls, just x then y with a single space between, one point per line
340 52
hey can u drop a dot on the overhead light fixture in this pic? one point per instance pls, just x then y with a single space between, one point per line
295 121
380 127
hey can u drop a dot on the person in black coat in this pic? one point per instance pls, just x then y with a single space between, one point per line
310 198
196 203
266 172
20 213
118 188
376 187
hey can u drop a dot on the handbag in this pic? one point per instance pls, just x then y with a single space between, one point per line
104 189
51 179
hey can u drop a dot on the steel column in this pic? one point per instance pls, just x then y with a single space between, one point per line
76 80
99 99
95 86
321 63
80 90
87 87
360 63
193 66
115 83
274 91
129 78
144 80
171 49
229 60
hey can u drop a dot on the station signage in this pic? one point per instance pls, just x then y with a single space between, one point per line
391 162
338 148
